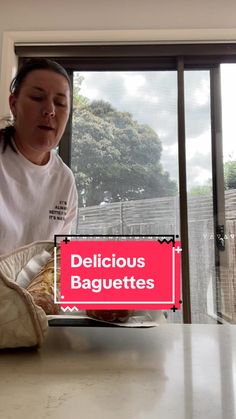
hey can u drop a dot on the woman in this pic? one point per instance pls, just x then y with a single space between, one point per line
37 190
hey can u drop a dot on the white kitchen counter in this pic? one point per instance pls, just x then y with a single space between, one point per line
167 372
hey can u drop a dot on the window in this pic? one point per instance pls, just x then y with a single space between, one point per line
145 144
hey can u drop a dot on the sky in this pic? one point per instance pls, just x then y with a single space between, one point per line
151 97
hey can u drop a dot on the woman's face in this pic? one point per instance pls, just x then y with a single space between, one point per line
41 110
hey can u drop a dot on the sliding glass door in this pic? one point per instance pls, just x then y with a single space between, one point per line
200 195
124 155
226 234
151 144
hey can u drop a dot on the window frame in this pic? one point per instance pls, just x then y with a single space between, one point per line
179 57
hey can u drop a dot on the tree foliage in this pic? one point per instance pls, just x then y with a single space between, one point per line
229 181
201 189
114 153
230 174
78 100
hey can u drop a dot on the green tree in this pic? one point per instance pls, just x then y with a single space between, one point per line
112 152
78 99
201 189
230 174
229 180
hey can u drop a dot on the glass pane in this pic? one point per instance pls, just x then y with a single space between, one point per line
125 153
228 257
200 202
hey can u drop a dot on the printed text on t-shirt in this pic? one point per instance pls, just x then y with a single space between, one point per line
59 211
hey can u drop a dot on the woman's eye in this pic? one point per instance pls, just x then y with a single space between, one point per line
64 105
59 103
36 98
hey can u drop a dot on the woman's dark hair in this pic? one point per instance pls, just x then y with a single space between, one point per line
30 65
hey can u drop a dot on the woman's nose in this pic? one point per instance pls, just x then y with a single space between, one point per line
49 110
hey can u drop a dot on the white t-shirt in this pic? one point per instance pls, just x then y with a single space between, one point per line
36 202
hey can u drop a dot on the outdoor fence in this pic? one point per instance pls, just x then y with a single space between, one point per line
212 289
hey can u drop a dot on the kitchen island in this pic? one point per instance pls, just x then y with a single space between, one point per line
165 372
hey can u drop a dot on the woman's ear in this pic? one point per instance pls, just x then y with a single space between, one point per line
12 104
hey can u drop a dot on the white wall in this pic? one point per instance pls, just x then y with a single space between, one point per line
88 15
115 14
33 15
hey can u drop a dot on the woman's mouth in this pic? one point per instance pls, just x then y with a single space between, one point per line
46 128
